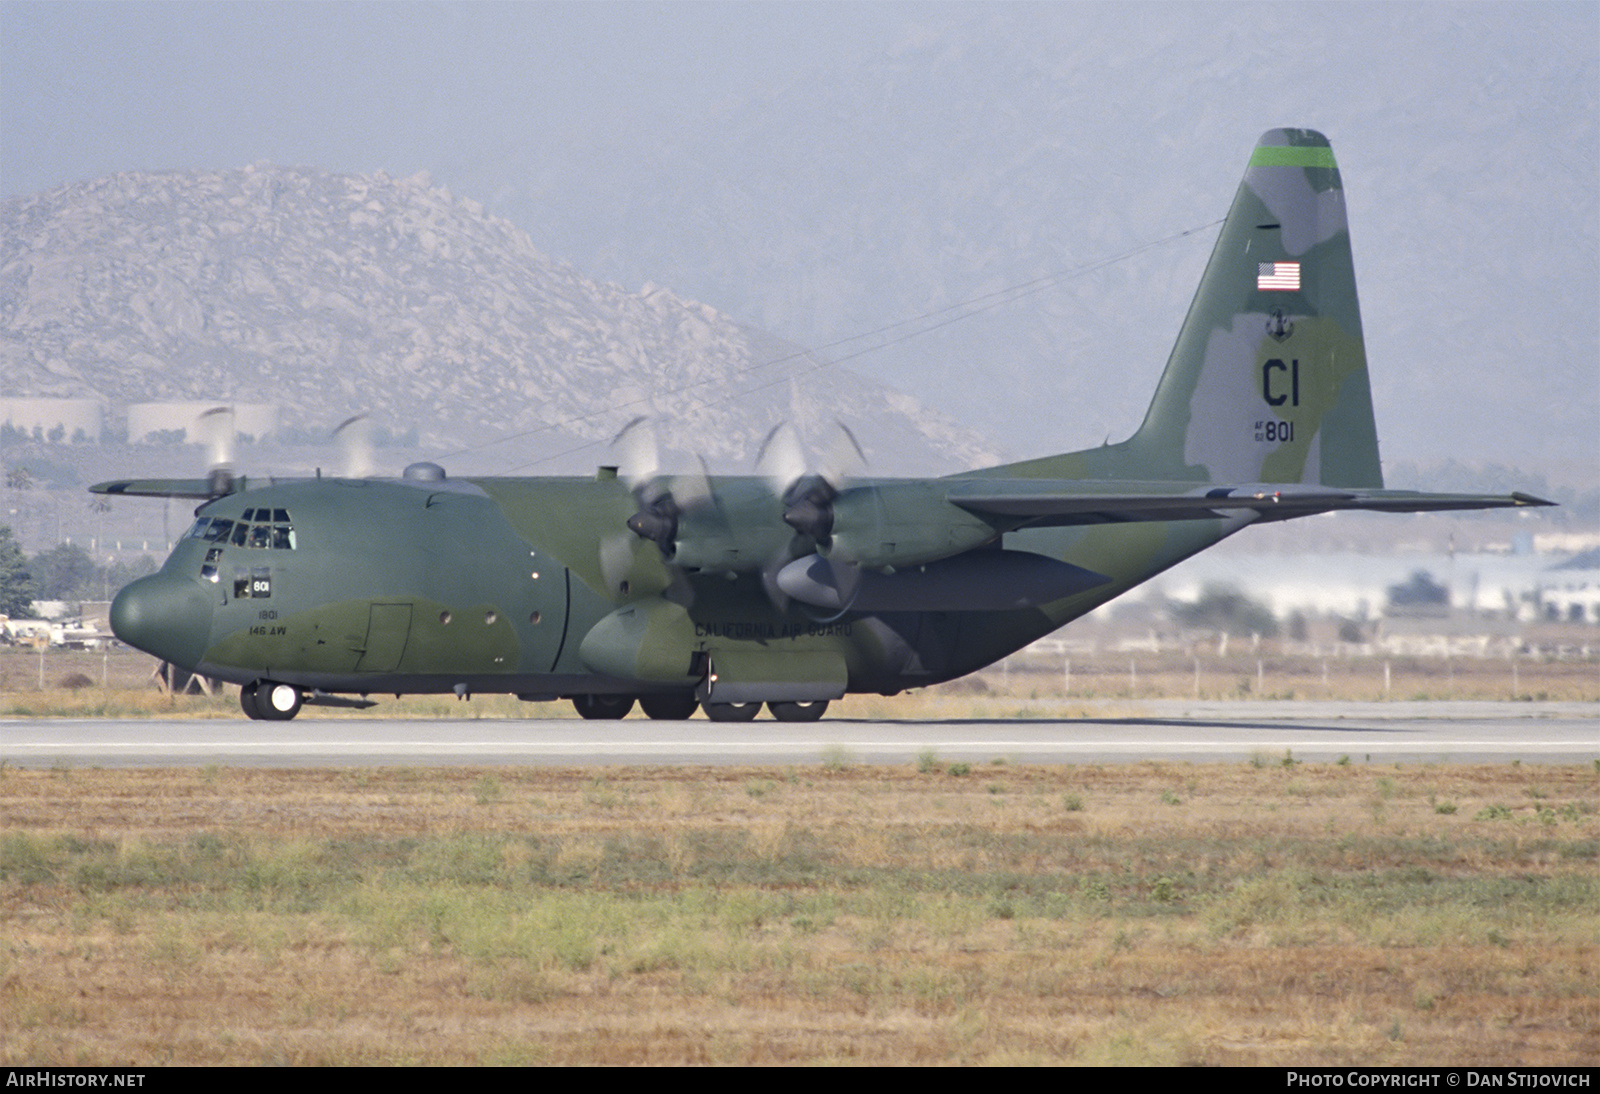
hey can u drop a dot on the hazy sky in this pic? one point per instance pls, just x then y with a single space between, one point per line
505 102
87 89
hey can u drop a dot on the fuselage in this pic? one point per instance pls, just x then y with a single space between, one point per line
517 585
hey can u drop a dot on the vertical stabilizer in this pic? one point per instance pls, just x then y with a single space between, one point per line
1268 380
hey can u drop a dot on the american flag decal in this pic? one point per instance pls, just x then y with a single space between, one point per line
1278 276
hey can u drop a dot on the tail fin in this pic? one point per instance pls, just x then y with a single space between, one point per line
1268 380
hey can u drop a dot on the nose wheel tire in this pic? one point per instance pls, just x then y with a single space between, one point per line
670 708
732 712
604 707
799 712
267 701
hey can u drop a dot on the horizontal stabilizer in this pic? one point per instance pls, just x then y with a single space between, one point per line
1023 503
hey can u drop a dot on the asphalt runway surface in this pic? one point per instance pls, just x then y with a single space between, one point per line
1173 730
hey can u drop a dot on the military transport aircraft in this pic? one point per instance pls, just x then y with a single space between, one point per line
793 587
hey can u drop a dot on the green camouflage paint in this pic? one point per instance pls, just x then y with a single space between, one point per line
540 586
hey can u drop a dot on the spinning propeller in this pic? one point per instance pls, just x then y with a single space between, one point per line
354 438
217 433
730 529
808 496
662 503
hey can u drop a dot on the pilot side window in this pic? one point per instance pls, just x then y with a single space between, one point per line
218 532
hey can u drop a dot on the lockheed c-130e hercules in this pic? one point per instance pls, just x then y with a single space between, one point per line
793 587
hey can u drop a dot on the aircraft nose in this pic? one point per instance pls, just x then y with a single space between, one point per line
169 617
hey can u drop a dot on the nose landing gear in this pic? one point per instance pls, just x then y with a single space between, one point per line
267 701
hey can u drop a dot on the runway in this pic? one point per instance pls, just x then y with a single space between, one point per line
1170 730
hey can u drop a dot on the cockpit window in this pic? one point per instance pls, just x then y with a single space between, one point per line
265 529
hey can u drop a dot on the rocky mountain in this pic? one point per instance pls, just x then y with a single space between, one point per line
331 295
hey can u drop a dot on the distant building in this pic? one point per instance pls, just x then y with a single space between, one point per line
61 420
1570 592
153 420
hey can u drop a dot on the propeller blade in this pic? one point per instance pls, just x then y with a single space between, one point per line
638 457
215 428
844 458
692 490
354 437
216 431
781 460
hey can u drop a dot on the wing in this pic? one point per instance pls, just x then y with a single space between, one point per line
167 488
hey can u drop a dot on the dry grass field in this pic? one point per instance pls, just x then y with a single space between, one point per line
1271 913
936 913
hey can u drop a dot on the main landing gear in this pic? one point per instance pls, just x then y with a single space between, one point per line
783 712
671 708
265 700
799 712
677 708
603 707
732 712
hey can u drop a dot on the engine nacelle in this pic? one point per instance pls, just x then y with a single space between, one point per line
902 524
